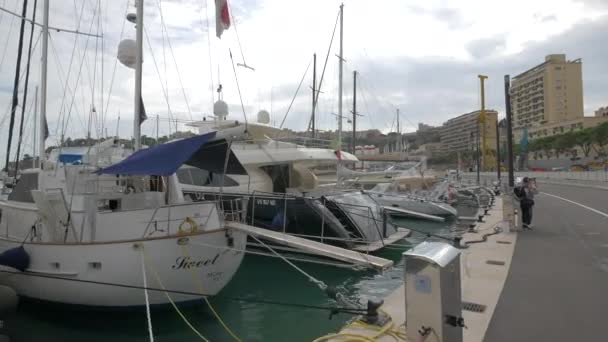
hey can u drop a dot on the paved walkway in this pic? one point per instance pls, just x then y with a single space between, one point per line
557 288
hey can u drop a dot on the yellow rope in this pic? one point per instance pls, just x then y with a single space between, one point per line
388 330
172 302
228 330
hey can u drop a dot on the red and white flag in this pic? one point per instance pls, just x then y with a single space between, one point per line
222 17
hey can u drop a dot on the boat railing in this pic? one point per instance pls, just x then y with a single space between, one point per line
285 143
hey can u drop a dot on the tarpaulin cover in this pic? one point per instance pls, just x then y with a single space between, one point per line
165 159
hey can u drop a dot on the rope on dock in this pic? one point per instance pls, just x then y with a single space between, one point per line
388 329
145 278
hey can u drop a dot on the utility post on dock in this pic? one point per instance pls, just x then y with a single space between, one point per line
482 121
509 130
354 140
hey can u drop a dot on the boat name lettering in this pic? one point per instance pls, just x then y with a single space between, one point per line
188 262
266 201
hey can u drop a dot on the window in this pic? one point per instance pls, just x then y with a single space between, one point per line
200 177
22 192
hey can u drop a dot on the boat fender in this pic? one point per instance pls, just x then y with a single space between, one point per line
188 221
16 258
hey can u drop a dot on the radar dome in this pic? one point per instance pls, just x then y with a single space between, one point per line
127 52
220 109
263 117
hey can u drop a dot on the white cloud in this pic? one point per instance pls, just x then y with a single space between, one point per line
278 38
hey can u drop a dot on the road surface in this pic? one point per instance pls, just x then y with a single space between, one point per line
557 288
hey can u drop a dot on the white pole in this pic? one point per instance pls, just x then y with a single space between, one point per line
340 63
45 46
138 66
35 128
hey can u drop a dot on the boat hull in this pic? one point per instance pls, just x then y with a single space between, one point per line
67 273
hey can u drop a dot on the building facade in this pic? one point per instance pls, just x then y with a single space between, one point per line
602 112
460 133
562 127
548 93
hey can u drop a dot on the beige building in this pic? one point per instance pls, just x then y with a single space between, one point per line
548 93
460 133
559 128
602 112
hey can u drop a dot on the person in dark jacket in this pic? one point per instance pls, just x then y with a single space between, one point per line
525 194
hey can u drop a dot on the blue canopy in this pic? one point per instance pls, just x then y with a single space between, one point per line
165 159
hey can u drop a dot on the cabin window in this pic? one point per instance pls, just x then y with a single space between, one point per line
200 177
22 192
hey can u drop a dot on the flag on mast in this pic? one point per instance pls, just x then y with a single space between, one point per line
142 111
222 17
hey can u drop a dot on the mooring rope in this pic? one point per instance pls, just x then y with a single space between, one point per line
196 279
179 312
145 278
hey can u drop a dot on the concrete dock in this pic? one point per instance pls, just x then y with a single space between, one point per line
554 281
482 282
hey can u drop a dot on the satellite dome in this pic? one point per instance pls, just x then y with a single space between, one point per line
220 109
263 117
127 53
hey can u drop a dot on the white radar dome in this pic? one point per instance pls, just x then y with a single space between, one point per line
220 109
127 53
263 117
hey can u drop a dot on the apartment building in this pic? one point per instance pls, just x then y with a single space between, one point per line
550 92
460 133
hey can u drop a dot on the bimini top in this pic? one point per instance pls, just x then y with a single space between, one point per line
200 151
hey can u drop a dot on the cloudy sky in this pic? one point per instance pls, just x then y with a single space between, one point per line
421 57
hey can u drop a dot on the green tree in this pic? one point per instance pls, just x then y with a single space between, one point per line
584 139
600 138
564 142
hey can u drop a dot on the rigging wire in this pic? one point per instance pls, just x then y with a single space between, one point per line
21 77
318 90
295 95
61 107
122 31
236 31
8 36
69 114
61 73
165 94
238 88
209 51
179 77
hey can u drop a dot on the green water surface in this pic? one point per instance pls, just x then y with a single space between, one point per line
258 278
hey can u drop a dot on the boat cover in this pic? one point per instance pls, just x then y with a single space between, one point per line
16 258
200 151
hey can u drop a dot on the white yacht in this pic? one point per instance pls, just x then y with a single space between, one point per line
71 227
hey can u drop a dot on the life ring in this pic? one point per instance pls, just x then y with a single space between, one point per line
189 221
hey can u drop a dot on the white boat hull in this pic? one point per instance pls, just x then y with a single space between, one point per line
190 266
421 206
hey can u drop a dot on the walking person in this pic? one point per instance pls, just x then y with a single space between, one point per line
525 193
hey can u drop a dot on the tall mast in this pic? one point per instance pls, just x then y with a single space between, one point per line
314 93
15 101
354 111
138 66
35 128
43 72
340 63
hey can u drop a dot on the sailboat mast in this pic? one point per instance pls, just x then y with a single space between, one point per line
354 111
340 64
15 101
43 72
138 68
314 94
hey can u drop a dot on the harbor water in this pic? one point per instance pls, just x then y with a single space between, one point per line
259 279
